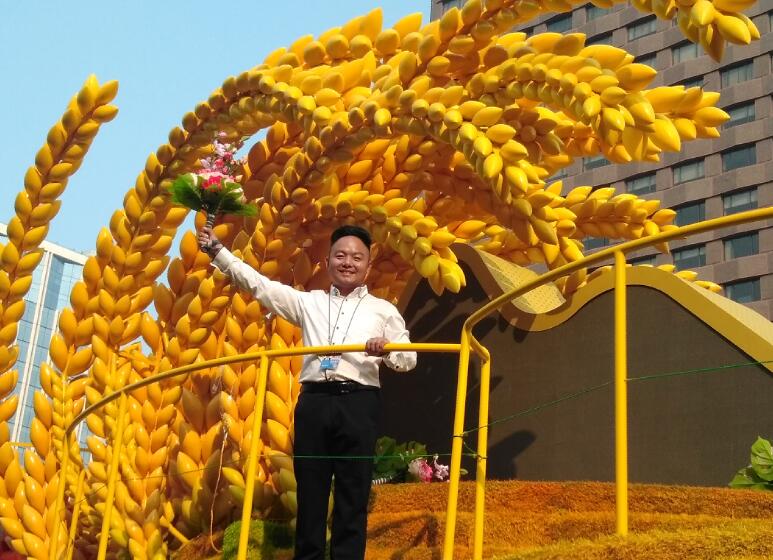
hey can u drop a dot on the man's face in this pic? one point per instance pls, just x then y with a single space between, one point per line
348 263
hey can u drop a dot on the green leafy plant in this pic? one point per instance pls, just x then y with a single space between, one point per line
392 459
402 462
215 195
214 188
759 474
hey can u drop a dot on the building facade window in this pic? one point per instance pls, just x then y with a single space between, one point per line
690 213
648 260
600 39
692 82
744 291
742 245
595 242
739 157
448 4
642 28
594 162
648 59
689 257
688 171
560 24
560 174
737 74
48 294
594 12
641 185
740 201
684 51
740 114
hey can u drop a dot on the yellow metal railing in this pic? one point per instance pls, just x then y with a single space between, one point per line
265 358
468 342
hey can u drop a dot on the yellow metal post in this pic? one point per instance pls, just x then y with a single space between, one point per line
464 349
456 447
480 475
112 479
76 510
621 398
252 459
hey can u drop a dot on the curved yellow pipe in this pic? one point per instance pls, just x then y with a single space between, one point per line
264 357
468 340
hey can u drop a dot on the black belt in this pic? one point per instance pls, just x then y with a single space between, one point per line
335 387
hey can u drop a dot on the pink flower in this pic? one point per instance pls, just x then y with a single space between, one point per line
211 180
222 162
420 470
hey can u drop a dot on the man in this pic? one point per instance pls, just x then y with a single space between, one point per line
338 408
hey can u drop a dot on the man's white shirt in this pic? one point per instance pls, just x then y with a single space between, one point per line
328 318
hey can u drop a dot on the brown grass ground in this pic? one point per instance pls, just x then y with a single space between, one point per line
572 520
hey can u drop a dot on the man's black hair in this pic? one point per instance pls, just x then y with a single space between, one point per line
345 231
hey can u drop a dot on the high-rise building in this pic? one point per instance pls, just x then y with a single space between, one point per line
52 281
708 178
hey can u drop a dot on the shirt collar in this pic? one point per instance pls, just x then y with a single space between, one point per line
359 292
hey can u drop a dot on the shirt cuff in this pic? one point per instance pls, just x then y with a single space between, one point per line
223 259
391 362
400 361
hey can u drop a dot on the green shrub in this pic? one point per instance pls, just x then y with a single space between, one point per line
266 537
759 474
392 459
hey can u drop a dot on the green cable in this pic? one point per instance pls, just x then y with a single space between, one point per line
539 407
698 371
528 411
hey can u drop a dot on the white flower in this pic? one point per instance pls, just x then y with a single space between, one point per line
440 471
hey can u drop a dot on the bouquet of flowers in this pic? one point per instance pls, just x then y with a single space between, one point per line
214 188
405 462
421 470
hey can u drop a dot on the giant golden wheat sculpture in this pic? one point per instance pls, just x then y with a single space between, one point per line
427 135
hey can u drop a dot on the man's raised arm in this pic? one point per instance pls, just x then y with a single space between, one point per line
277 297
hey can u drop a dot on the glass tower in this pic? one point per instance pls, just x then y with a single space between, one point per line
49 294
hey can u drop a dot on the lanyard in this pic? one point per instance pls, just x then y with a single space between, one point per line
331 332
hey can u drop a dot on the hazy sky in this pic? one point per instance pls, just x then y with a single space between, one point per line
167 55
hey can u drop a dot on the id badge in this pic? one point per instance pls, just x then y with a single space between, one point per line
328 363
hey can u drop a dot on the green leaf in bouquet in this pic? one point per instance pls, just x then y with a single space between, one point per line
385 461
762 459
414 450
230 204
185 192
390 463
385 445
381 460
747 478
211 200
230 187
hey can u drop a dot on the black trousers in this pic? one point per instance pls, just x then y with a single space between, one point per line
334 422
